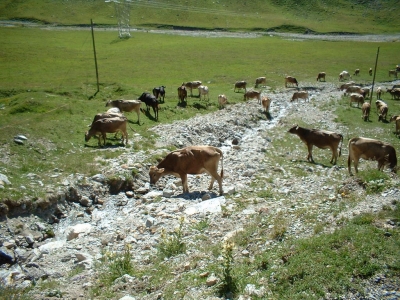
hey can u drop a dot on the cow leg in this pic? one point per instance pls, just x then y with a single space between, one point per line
214 176
184 183
309 157
349 165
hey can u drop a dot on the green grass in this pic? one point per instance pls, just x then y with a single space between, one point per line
279 15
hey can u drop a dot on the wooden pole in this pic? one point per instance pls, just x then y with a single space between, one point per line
95 59
373 79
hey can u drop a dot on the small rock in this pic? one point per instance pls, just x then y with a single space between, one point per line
212 280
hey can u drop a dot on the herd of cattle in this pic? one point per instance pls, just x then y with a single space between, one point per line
205 159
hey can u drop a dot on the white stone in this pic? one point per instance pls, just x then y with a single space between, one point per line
74 231
46 248
210 206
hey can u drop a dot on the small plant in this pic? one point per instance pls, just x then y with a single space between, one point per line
117 265
280 227
228 286
201 225
267 193
172 244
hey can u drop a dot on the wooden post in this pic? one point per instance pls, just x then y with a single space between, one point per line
95 59
373 79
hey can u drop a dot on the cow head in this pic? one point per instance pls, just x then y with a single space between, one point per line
87 136
155 174
293 129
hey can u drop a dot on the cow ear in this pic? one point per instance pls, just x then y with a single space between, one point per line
160 170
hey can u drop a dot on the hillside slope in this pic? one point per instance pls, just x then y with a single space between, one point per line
355 16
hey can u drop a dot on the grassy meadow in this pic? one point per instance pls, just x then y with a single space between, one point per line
49 80
286 15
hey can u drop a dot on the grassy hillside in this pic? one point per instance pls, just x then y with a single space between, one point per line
316 15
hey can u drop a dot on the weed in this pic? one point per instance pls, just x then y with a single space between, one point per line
201 225
375 181
172 244
115 265
280 226
228 286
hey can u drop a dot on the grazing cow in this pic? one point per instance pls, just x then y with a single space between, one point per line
366 109
182 93
366 92
260 80
190 160
266 102
291 80
159 92
382 109
370 149
150 101
320 76
393 72
253 94
354 89
321 139
395 92
396 119
108 125
355 97
357 72
203 91
344 86
301 95
344 75
126 106
378 93
192 85
370 71
222 100
240 85
107 115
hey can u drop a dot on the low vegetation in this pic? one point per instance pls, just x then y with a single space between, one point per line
48 93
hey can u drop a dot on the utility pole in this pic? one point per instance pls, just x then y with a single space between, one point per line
373 79
95 59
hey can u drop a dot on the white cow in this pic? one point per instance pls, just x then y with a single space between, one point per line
203 91
344 75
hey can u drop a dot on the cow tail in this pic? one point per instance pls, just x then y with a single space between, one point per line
222 163
341 144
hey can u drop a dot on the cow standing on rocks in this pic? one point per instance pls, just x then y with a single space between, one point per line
190 160
320 138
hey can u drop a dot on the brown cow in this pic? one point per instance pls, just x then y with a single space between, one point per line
260 80
190 160
301 95
344 86
393 72
395 92
396 119
240 85
357 72
379 92
353 89
321 139
266 102
108 125
321 75
126 105
192 85
222 100
182 93
291 80
354 97
370 149
382 109
366 109
253 94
